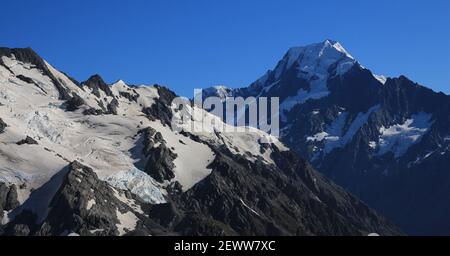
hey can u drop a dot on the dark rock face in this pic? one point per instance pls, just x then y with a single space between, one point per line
161 108
25 79
111 109
129 96
387 182
245 198
93 111
159 158
74 102
112 106
3 126
69 208
83 205
96 83
27 140
8 198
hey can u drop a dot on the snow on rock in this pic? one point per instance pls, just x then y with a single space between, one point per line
335 136
245 141
313 64
90 203
319 56
399 137
380 78
317 137
193 158
127 222
217 91
354 127
146 97
64 80
42 83
248 207
101 142
318 90
128 201
106 143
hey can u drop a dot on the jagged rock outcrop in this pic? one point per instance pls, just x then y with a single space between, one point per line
3 125
8 198
161 109
96 83
27 140
83 205
159 158
74 102
130 96
112 106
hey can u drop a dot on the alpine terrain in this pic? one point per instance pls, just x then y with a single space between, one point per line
386 140
89 158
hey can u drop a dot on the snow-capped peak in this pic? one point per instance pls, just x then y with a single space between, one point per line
119 82
317 55
220 91
338 47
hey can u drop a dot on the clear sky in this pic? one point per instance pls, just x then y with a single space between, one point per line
194 44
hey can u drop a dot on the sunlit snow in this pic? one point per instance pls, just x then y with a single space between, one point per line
398 138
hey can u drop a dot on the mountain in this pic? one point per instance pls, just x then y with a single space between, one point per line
386 140
88 158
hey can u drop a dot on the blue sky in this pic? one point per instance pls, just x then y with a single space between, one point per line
194 44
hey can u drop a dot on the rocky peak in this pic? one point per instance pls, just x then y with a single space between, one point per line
96 83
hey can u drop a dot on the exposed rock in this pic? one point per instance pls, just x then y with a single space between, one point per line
174 188
245 198
112 106
25 79
11 200
93 111
8 197
111 109
3 126
161 110
129 96
27 140
96 83
159 158
19 230
74 102
83 203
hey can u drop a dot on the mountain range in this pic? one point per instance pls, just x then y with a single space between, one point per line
384 139
96 159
